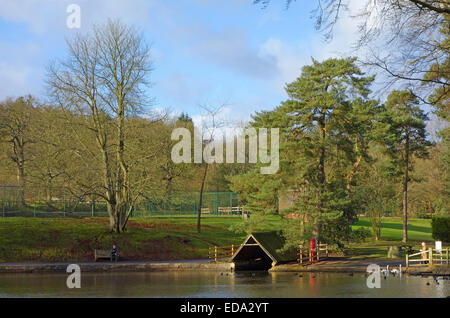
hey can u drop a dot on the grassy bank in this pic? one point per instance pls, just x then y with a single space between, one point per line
36 239
419 230
61 239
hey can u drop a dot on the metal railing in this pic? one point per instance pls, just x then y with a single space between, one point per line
31 201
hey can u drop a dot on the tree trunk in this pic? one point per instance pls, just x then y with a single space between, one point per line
18 147
377 229
355 167
199 212
118 216
122 192
21 181
302 227
321 179
405 208
405 192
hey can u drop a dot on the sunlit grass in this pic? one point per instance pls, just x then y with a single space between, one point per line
64 239
419 230
60 239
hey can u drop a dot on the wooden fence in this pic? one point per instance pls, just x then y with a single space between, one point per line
216 253
429 257
305 255
308 256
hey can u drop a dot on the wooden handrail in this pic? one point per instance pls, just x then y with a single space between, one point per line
420 253
307 254
216 252
431 259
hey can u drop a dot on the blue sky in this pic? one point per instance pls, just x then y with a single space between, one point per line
204 51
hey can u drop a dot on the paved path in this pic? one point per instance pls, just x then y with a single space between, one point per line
343 265
340 264
201 264
106 262
331 265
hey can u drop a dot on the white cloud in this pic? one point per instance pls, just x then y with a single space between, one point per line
183 89
22 63
48 17
34 13
288 60
18 75
229 48
345 34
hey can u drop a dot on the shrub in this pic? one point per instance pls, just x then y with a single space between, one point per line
423 215
360 235
440 227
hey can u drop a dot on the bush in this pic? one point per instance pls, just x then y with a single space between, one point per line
360 235
423 215
440 227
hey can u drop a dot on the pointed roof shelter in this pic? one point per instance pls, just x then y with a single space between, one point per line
261 251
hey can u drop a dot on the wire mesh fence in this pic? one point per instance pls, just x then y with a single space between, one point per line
59 202
55 202
187 204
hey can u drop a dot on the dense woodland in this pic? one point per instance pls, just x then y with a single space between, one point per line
345 150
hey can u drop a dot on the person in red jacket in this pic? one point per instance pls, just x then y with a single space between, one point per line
312 246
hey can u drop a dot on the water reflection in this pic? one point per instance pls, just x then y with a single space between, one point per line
212 284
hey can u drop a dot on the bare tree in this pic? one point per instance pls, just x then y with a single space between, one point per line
210 125
406 39
103 81
15 121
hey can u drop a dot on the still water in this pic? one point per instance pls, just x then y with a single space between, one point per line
213 284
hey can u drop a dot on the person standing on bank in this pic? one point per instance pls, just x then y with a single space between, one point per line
424 253
114 253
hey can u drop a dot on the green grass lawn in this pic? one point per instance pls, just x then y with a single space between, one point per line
64 239
67 239
392 229
419 230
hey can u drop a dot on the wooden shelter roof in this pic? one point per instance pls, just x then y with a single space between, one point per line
270 243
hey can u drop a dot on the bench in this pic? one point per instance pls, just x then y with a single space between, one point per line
237 210
103 254
206 211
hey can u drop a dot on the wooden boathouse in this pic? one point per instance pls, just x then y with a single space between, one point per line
261 251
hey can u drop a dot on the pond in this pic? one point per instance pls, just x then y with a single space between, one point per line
213 284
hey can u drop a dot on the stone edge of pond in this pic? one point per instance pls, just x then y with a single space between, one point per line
117 267
423 271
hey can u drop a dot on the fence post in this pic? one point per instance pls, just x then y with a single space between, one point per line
407 260
231 203
64 199
301 254
34 208
3 201
447 255
92 205
318 250
216 210
232 250
215 254
430 255
239 203
300 258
